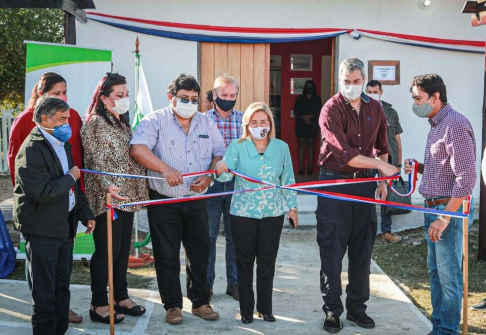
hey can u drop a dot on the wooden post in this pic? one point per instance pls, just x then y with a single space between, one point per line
110 264
69 29
465 266
137 83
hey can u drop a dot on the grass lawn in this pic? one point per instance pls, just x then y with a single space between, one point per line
406 264
136 278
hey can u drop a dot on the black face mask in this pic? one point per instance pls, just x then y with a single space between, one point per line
225 105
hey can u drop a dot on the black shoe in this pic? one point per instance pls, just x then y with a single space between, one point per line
480 307
247 319
333 324
301 172
134 311
362 320
267 317
232 291
95 317
309 172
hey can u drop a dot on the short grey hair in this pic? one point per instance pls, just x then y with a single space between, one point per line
48 106
224 80
351 64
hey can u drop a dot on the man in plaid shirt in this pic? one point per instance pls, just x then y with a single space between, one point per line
229 122
449 176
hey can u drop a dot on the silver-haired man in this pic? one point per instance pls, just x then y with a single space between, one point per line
352 127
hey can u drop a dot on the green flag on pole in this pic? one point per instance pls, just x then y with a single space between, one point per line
143 103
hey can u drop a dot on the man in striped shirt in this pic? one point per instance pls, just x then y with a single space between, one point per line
229 122
449 176
170 142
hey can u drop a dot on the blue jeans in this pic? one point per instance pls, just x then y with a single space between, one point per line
216 207
386 222
444 259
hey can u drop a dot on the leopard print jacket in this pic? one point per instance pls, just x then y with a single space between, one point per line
107 148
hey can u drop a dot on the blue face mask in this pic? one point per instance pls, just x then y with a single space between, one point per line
62 133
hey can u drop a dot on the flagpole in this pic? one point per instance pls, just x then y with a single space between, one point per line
139 260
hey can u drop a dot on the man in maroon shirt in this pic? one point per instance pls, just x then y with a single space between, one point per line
448 177
353 127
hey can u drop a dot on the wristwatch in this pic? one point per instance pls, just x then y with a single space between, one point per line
294 208
443 219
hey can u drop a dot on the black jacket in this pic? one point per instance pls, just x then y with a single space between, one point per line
41 192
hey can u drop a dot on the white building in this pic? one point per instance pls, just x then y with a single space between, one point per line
439 26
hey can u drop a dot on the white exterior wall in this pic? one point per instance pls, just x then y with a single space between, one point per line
164 58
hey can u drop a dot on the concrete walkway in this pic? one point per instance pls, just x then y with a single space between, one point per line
296 302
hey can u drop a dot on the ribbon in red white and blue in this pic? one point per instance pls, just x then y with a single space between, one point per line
422 41
412 181
217 34
223 34
299 187
134 176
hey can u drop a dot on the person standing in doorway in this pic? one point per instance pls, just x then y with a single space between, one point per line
229 122
307 108
374 90
353 128
448 177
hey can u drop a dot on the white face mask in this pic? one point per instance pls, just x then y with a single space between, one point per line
351 92
121 105
375 96
259 133
185 110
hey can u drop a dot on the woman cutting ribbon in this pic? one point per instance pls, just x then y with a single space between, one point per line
106 139
257 217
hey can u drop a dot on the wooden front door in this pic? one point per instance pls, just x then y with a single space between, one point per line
249 64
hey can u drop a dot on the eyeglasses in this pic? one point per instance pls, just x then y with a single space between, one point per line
110 77
186 101
263 123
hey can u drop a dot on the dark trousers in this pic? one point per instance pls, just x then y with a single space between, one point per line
49 267
386 222
220 207
256 238
171 224
122 239
341 226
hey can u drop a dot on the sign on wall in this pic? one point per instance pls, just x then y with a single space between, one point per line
387 72
82 67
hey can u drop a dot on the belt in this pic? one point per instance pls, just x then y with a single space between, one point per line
348 175
436 201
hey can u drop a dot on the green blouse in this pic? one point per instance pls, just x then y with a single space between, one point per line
274 166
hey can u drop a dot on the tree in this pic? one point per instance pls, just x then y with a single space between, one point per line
16 26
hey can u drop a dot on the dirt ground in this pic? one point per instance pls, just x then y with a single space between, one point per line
6 188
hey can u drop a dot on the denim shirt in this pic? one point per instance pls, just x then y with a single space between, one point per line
274 166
